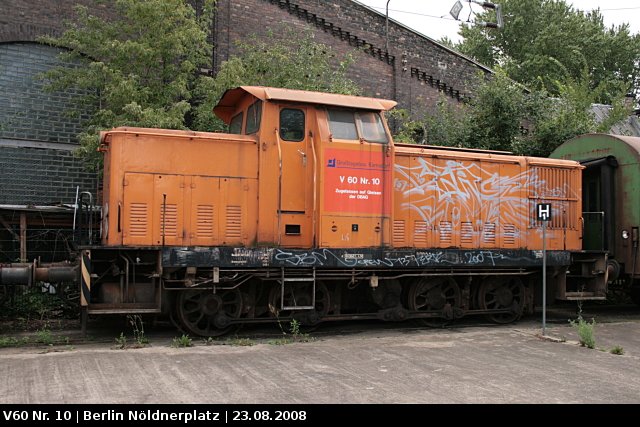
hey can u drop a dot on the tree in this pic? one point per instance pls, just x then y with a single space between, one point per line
503 115
544 42
140 69
292 60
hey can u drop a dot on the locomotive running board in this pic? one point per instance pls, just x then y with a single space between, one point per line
284 280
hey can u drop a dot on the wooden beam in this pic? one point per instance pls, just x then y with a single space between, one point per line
23 237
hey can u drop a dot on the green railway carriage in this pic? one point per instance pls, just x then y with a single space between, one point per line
611 200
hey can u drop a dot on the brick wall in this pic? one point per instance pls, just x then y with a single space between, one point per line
417 71
27 110
41 176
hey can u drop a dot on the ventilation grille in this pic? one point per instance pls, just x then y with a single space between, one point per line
138 219
420 236
489 233
509 234
467 233
234 222
204 218
398 233
556 186
169 220
445 232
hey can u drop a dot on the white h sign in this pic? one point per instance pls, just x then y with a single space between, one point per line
543 211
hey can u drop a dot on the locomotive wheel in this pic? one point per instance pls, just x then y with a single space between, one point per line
300 295
435 294
499 293
206 314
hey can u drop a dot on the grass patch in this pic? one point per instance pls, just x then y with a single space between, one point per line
183 341
617 350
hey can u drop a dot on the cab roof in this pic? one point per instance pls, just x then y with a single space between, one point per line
227 105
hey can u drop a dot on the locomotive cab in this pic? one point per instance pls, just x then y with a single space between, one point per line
325 166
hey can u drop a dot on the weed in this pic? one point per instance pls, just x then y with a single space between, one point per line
294 332
617 350
121 341
585 331
138 329
13 342
183 341
294 328
44 336
208 341
241 342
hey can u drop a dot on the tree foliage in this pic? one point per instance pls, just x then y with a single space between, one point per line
546 42
288 59
140 69
503 115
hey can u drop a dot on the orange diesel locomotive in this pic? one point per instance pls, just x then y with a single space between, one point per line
306 209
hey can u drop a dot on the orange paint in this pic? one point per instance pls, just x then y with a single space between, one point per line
297 185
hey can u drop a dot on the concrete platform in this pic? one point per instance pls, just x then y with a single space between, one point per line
364 364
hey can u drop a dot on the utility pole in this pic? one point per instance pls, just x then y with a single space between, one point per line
386 31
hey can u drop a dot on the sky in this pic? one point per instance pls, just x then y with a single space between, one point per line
431 17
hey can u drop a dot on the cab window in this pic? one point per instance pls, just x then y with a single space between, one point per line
236 124
371 127
342 124
292 124
253 117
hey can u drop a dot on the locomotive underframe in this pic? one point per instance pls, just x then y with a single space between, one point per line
207 291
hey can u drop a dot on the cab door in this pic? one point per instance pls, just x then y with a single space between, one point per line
296 175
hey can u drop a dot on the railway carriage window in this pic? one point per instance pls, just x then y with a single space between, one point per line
236 124
253 117
292 125
371 127
342 124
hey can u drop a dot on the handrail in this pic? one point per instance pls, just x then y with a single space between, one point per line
315 190
279 208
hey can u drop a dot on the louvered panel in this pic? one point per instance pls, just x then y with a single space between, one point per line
445 232
554 185
420 233
234 222
169 219
204 221
466 233
399 233
509 234
489 234
138 219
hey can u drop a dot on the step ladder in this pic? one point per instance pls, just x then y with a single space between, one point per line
293 281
